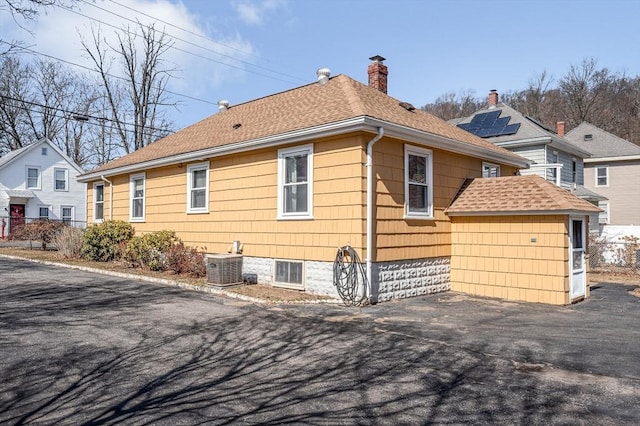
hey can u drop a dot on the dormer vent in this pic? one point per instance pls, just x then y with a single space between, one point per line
223 105
588 137
323 75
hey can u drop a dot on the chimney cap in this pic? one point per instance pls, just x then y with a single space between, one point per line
377 58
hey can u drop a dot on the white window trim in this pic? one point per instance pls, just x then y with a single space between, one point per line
606 206
44 206
410 149
26 178
73 213
555 159
66 179
190 170
491 165
282 154
132 179
606 168
95 219
293 286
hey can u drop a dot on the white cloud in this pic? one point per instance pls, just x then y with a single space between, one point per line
256 12
206 63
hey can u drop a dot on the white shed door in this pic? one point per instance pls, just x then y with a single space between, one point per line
577 249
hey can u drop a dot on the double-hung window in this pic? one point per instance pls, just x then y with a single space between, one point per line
295 182
60 179
418 189
43 213
490 170
603 216
137 196
66 214
602 176
554 160
33 177
198 188
98 202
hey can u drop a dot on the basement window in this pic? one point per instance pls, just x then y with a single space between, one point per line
289 274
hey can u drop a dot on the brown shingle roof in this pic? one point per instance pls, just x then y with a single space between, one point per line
342 98
516 194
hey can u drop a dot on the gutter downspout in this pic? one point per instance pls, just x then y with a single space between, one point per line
104 179
370 189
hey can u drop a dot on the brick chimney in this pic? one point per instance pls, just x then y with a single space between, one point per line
378 73
560 128
493 98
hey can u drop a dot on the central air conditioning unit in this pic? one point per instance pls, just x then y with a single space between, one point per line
224 270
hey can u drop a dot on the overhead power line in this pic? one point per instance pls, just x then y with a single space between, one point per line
195 34
79 116
75 64
69 9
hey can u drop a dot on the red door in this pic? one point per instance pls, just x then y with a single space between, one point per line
16 220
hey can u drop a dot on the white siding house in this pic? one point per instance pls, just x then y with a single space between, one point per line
40 182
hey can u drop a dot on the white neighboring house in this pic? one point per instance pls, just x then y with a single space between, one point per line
40 182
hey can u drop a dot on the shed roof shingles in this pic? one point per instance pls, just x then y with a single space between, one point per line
309 106
516 194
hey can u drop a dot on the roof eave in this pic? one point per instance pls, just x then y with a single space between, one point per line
302 135
521 213
569 147
452 145
606 159
361 123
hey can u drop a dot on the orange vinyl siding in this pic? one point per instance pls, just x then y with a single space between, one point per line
400 238
512 257
243 204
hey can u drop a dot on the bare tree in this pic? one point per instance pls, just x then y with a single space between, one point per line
45 99
23 11
136 98
14 105
30 9
531 100
584 88
451 105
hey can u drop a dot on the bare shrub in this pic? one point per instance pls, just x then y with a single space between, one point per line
69 242
184 259
39 230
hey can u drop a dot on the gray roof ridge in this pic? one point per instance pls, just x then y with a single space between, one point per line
609 134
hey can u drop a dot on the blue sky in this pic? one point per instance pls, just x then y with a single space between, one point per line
246 49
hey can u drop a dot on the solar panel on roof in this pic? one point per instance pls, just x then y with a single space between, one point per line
489 124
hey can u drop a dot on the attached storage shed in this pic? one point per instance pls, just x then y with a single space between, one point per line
519 238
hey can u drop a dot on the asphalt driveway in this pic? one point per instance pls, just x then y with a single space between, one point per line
82 348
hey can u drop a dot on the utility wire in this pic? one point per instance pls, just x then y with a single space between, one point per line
81 116
195 34
177 27
96 71
177 48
